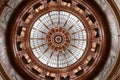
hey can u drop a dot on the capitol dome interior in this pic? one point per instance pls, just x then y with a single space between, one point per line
59 40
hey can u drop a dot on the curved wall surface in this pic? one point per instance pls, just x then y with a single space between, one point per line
109 71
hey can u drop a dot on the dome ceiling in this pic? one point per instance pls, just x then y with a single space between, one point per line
52 41
59 40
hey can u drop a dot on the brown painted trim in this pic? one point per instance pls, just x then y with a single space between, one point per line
117 14
92 70
3 73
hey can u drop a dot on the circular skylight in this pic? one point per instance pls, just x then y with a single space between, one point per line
58 39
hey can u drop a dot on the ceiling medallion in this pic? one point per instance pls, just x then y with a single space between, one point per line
57 39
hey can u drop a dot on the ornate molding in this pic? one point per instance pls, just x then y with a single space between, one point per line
114 74
98 39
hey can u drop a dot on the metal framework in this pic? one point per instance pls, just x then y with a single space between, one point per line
55 34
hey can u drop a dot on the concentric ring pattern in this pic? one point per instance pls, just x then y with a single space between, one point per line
69 32
58 39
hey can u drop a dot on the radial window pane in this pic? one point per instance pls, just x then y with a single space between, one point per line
58 39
